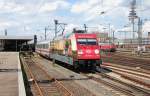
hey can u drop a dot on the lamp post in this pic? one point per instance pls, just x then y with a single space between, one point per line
113 34
56 22
139 31
85 28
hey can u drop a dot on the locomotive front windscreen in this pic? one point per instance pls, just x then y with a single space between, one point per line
87 41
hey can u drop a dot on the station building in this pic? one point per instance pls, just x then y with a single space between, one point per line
14 43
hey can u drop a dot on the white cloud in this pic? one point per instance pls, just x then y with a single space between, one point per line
91 9
31 8
69 28
16 8
146 2
146 26
48 7
92 13
112 3
83 6
6 24
91 28
52 6
7 7
87 5
28 13
80 8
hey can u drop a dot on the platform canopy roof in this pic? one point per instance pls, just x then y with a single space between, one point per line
28 38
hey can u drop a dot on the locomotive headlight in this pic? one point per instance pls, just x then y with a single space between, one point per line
96 51
80 52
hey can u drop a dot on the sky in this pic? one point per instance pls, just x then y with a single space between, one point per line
29 17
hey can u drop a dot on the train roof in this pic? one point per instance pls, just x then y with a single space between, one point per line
43 42
27 38
85 35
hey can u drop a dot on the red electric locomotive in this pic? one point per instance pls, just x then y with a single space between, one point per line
86 49
80 50
109 47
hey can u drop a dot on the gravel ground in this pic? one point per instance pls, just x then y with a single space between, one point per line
78 84
49 88
76 89
124 86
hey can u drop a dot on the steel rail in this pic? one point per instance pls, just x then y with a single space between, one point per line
127 92
127 68
61 83
121 59
58 83
33 78
131 79
145 75
124 83
134 80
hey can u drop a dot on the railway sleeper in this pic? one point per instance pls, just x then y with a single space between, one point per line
45 81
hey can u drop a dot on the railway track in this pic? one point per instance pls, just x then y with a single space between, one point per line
127 61
144 55
128 89
134 89
75 88
141 79
118 88
126 69
114 83
42 84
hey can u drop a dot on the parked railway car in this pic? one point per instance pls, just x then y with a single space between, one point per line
110 47
80 50
43 48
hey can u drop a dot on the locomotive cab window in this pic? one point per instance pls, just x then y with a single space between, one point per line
92 41
87 41
81 41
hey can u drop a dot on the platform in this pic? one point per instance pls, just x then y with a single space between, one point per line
11 79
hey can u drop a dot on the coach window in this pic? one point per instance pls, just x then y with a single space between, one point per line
47 46
43 46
